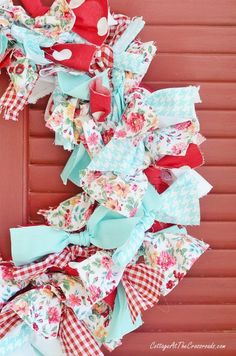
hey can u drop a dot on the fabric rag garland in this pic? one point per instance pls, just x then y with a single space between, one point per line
103 256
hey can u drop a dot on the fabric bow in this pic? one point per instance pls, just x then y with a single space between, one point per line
181 196
141 282
41 240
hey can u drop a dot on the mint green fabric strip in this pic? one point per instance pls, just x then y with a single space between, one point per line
105 228
32 42
78 85
61 141
129 35
15 340
3 43
78 160
121 322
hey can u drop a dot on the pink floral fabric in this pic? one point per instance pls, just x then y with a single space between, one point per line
123 195
173 254
70 215
173 140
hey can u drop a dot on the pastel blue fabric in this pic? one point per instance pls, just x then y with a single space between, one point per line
132 62
32 42
15 340
3 43
121 322
78 161
129 35
118 101
105 228
61 141
179 204
78 85
175 102
119 156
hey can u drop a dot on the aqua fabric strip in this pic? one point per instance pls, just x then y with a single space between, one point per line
120 156
78 161
61 141
77 86
15 340
121 322
175 103
129 35
105 229
3 43
32 42
131 62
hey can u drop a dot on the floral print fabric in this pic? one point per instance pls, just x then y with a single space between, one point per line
72 214
123 195
174 254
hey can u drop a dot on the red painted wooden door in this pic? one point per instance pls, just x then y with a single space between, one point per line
196 45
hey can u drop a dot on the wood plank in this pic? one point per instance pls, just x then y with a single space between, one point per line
215 263
43 151
216 12
177 343
192 67
189 39
37 126
218 207
39 180
208 290
218 234
190 318
12 181
222 178
217 123
215 96
220 152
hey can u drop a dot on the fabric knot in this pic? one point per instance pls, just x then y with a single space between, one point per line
81 239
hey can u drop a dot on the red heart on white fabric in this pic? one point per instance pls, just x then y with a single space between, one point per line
62 55
76 3
102 26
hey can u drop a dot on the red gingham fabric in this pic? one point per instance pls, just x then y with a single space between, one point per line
75 337
116 31
142 285
8 320
12 104
61 260
102 59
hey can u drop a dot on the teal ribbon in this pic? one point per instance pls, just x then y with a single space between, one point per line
121 322
78 85
79 160
32 42
3 43
105 228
